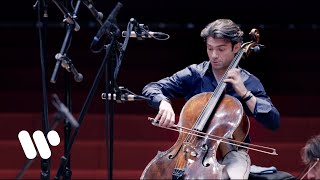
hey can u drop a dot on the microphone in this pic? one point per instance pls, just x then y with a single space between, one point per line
124 97
141 31
66 63
78 77
148 34
98 15
107 24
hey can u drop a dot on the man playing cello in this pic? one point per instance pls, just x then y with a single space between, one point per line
223 40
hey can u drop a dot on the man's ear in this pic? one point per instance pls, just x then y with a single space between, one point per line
236 47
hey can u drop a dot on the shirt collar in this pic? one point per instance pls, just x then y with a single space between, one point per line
207 69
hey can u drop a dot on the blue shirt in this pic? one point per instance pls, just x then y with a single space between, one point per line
198 78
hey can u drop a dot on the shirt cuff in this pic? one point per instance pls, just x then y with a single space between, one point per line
157 99
262 106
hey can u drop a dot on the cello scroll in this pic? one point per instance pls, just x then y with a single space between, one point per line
253 45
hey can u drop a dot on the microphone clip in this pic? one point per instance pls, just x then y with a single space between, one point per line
67 64
141 32
119 95
140 29
122 94
65 61
68 17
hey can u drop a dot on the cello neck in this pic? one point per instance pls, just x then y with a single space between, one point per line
205 114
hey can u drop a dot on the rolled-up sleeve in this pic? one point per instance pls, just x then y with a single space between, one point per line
262 106
267 114
264 111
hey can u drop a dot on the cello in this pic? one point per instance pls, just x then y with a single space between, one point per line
209 123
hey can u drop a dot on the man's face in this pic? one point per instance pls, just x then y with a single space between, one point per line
220 52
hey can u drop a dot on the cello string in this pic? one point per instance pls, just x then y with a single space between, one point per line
213 99
193 135
216 94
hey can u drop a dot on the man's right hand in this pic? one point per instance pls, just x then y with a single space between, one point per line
165 116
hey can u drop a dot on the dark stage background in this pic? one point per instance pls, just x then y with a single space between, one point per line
288 66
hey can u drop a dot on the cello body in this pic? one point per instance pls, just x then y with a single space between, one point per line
194 157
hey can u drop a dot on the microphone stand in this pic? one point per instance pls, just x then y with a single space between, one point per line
108 67
109 56
64 61
43 25
62 113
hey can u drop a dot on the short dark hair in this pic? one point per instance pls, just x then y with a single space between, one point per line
311 151
223 28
